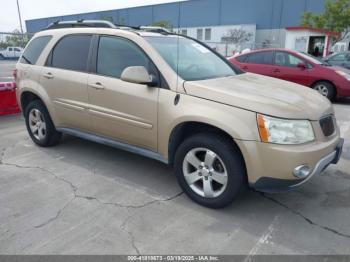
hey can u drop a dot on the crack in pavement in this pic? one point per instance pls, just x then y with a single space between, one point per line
131 235
75 189
76 195
2 154
56 216
295 212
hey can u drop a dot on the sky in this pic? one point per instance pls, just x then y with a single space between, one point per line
31 9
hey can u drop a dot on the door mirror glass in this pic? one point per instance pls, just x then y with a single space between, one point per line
138 75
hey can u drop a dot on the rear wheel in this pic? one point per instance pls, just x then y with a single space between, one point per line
39 125
326 89
2 57
210 170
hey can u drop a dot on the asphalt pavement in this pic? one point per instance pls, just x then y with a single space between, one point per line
84 198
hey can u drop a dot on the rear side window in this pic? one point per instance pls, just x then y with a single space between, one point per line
34 49
241 58
263 58
72 53
116 54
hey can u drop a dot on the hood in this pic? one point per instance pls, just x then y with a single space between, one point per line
263 95
337 68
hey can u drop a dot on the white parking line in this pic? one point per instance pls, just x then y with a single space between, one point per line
264 239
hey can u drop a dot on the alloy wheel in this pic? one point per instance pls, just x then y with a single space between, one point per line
37 124
322 89
205 172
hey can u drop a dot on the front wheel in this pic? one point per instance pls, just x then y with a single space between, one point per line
210 170
326 89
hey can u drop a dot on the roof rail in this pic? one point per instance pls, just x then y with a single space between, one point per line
155 29
104 24
80 23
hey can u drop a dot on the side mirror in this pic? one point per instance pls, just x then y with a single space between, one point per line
301 66
138 75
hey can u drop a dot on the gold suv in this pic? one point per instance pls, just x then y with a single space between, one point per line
174 99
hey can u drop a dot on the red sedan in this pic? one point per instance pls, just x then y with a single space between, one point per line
297 67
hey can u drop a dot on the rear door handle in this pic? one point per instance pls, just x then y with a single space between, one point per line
48 75
97 86
277 71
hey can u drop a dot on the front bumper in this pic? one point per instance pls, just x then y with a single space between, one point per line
275 185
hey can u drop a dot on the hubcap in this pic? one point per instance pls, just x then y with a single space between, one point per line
37 124
205 172
322 89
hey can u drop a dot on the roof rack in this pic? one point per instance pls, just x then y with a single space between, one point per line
104 24
81 23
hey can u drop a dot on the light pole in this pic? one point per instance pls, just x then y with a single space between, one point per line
20 22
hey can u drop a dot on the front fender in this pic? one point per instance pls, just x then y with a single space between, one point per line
240 124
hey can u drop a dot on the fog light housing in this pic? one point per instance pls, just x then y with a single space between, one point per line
302 171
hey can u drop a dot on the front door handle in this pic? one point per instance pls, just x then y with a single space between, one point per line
48 75
277 71
97 86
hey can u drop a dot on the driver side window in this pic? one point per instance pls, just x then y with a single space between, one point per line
115 54
286 59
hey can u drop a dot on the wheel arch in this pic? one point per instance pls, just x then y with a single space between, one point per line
25 96
327 81
28 96
186 129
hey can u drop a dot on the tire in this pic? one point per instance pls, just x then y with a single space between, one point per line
228 165
39 125
2 57
326 89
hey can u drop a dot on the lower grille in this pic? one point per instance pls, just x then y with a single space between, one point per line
327 125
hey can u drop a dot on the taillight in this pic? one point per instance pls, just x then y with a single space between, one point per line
15 74
15 78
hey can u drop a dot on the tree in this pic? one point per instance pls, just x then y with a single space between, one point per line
107 18
237 36
14 39
336 18
163 23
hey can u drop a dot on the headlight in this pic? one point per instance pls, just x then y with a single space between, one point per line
343 74
284 131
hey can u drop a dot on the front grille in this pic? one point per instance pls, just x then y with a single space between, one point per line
327 125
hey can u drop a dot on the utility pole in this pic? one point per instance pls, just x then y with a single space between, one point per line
20 22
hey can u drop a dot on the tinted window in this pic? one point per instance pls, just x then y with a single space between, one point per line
241 58
264 58
116 54
17 50
34 49
10 49
72 52
286 59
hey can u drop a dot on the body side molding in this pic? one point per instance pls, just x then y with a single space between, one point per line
113 143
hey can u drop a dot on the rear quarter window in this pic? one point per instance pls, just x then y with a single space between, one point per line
34 50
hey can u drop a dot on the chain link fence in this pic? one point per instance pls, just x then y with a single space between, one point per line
228 49
12 44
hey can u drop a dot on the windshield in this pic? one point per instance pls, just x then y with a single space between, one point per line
311 58
194 61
